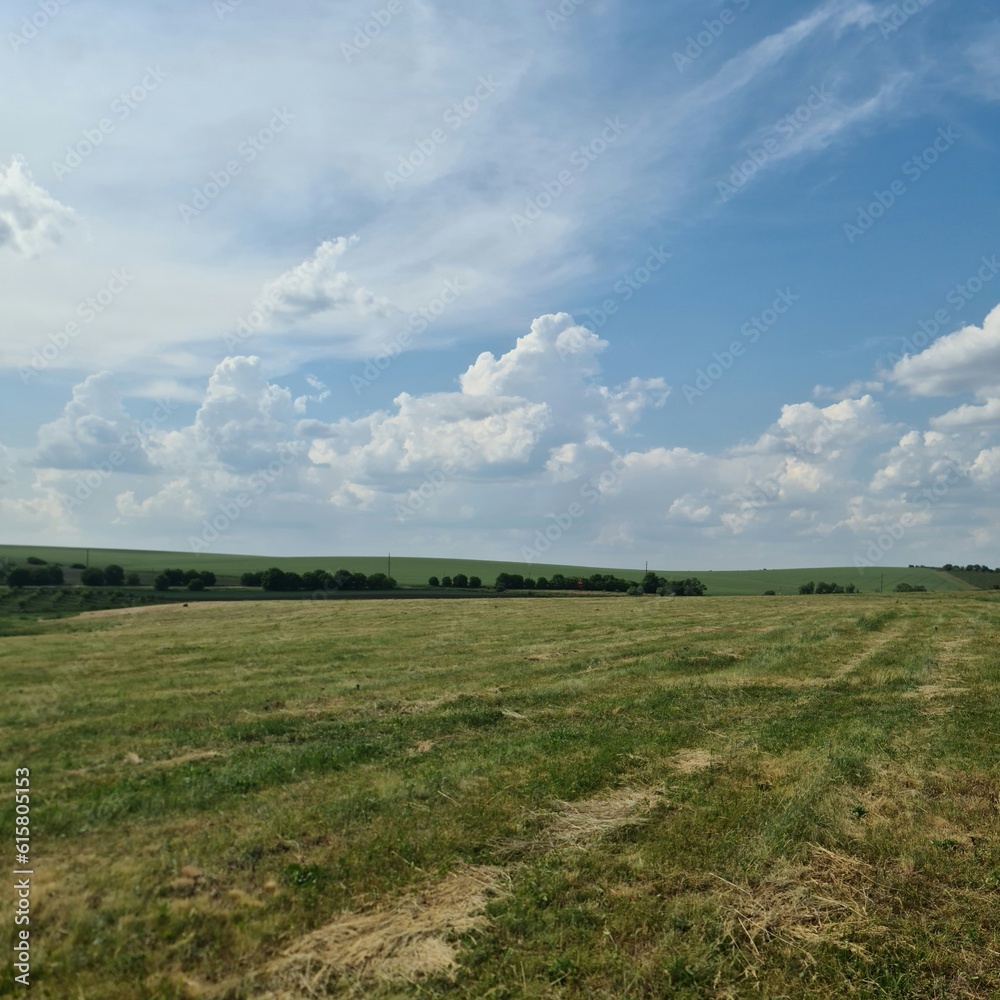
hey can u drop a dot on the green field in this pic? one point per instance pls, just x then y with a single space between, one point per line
415 572
614 798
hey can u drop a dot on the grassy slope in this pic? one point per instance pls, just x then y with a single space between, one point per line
984 581
309 758
412 571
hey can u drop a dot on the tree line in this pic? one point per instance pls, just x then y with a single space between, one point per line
276 579
606 582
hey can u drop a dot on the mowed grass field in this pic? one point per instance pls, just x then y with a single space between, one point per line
625 798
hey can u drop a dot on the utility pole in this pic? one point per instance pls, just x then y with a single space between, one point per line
881 584
390 565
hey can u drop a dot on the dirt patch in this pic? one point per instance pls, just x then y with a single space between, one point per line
690 761
398 942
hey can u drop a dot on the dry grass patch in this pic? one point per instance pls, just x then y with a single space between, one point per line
800 906
690 761
402 941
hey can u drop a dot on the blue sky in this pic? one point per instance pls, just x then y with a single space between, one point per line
711 285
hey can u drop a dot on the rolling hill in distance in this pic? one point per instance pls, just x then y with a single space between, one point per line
415 571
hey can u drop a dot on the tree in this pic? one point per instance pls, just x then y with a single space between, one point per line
316 579
175 576
807 588
649 583
19 577
273 579
92 577
207 577
251 579
196 583
433 582
379 581
162 582
114 576
529 584
46 576
540 584
446 581
461 580
475 583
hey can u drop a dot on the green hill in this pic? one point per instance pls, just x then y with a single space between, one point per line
410 571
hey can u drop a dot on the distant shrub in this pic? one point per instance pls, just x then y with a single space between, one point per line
92 577
635 591
162 582
769 593
433 582
251 579
807 588
114 576
908 588
77 566
19 577
133 580
196 584
46 576
207 577
35 561
475 583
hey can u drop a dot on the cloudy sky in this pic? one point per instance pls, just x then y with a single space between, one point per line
705 284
